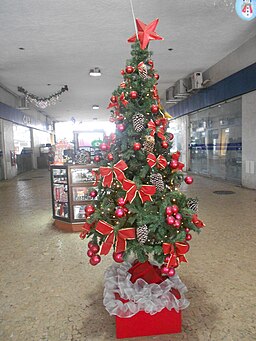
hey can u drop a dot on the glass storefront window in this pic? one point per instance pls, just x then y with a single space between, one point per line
216 141
22 138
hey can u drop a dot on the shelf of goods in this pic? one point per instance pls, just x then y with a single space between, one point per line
71 186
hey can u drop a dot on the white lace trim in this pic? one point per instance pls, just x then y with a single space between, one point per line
150 298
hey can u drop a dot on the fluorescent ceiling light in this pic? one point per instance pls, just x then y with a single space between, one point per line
95 107
95 72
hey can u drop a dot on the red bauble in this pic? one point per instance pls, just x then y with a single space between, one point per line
154 108
136 146
118 257
126 210
129 69
171 272
90 244
168 210
95 260
175 209
177 223
188 236
178 216
90 253
151 63
121 201
93 193
156 75
89 209
122 72
95 248
170 220
157 122
171 136
110 157
113 99
188 180
133 94
120 117
174 164
120 127
176 156
187 229
96 158
119 213
164 144
103 147
164 270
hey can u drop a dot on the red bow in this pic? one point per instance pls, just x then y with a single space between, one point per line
154 129
160 162
155 92
145 191
123 85
176 252
119 239
198 223
113 104
86 229
123 100
107 173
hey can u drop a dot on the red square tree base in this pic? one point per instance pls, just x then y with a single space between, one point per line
143 324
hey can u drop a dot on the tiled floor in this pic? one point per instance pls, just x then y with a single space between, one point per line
49 292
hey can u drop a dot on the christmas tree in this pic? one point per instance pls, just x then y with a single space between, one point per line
139 209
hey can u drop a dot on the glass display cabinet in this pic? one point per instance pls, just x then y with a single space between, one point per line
71 187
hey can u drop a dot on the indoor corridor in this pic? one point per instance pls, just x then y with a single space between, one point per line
49 292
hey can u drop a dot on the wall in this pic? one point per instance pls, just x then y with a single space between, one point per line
249 140
9 169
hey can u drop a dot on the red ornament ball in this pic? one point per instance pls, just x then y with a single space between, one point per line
164 144
119 213
151 63
89 209
136 146
120 117
187 230
118 257
164 270
90 253
121 201
178 216
110 157
175 209
120 127
90 244
95 248
156 75
133 94
95 259
171 272
168 210
122 72
96 158
188 236
129 69
93 193
103 147
171 136
177 223
170 220
154 108
174 164
188 180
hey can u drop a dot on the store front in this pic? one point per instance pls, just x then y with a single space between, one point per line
215 147
22 148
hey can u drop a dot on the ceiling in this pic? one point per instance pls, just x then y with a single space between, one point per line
63 39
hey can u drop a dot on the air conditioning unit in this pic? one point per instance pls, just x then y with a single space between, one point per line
180 89
195 81
169 94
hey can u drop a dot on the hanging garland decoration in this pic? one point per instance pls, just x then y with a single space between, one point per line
43 102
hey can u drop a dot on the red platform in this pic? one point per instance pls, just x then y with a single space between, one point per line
143 324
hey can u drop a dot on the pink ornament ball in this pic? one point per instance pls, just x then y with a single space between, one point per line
177 223
171 272
175 209
170 220
168 210
94 260
103 147
120 127
93 194
90 244
178 216
119 213
118 257
95 248
188 236
189 180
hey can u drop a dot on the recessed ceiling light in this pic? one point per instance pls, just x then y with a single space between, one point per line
95 107
48 84
21 48
95 72
170 49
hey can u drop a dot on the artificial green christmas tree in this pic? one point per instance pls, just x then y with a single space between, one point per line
139 209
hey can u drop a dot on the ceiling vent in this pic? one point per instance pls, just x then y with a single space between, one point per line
195 81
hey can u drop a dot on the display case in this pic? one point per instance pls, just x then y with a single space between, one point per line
71 188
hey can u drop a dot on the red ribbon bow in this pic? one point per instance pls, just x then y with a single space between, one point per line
145 191
107 173
198 223
160 162
154 129
86 229
119 239
123 100
155 92
176 252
